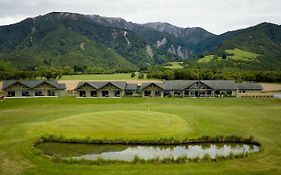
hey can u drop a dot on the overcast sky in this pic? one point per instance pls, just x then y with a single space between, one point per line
216 16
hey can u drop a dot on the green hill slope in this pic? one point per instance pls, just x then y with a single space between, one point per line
256 48
113 44
62 39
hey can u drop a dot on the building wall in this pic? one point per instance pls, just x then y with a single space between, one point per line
247 92
111 90
152 88
60 93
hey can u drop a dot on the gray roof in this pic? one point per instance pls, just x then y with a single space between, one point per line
249 86
131 87
33 83
178 84
214 84
159 84
100 84
221 84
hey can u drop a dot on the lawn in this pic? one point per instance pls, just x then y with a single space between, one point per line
25 120
117 76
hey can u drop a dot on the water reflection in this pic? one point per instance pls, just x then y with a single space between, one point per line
191 151
128 152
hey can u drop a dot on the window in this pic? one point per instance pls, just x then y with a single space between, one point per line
52 93
38 93
82 93
94 94
129 92
25 93
177 93
11 93
157 93
229 92
117 93
167 94
105 93
147 93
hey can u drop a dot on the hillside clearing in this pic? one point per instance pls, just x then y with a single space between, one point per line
237 54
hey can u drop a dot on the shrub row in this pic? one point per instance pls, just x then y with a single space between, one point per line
159 141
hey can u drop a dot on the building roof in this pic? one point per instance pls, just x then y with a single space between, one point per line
178 84
221 84
214 84
100 84
159 84
33 83
249 86
132 87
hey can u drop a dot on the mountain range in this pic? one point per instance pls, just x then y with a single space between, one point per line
69 39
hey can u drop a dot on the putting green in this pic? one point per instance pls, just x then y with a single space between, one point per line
119 124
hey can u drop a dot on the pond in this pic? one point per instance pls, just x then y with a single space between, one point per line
145 152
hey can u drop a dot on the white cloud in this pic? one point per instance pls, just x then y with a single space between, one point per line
217 16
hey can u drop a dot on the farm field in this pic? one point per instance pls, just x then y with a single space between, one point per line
23 121
117 76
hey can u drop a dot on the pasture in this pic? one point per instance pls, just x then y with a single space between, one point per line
23 121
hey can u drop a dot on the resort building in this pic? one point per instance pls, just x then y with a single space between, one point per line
24 88
105 89
177 88
190 88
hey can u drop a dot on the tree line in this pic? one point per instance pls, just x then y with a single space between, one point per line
9 72
198 74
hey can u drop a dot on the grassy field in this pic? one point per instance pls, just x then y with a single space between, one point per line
236 54
23 121
121 76
241 55
206 59
174 65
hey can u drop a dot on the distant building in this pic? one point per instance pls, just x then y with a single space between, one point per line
25 88
177 88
